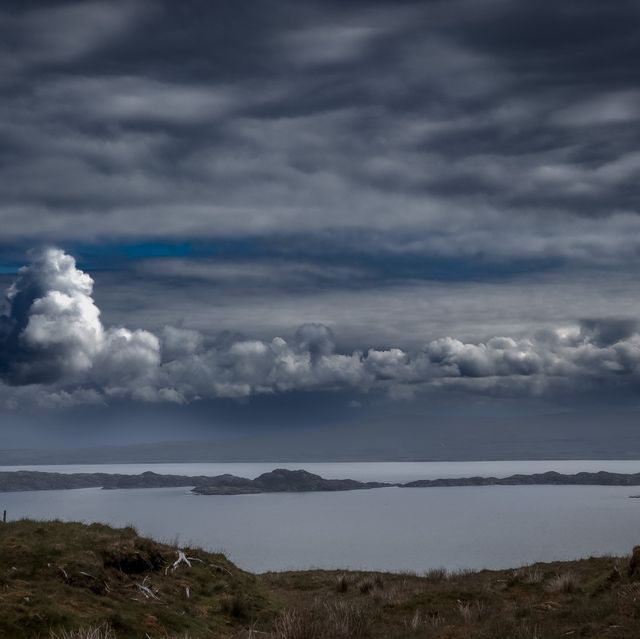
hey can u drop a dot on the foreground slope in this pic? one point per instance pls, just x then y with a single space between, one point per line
65 575
58 578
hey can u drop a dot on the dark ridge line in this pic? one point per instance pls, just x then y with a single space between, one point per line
282 480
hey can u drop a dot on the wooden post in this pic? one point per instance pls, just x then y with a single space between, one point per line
4 517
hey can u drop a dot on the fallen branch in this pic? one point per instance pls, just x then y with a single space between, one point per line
145 590
182 559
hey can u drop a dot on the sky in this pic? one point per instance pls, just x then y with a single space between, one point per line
378 207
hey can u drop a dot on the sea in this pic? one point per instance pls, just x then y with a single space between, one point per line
387 529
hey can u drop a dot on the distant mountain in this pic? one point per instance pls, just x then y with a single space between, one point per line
282 480
279 480
551 478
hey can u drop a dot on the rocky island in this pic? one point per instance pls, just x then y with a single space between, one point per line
282 480
550 478
278 480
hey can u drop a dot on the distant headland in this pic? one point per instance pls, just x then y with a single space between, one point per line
281 480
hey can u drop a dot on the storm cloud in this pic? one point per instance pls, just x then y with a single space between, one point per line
415 196
53 339
430 127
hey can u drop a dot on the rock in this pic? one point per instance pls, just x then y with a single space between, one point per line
634 564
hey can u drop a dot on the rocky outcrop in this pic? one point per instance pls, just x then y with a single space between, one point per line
282 480
279 480
35 480
550 478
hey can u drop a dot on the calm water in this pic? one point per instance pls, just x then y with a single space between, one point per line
386 529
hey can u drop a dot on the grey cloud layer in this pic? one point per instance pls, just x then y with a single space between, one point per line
323 146
457 128
55 348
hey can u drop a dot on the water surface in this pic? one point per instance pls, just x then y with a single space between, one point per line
385 529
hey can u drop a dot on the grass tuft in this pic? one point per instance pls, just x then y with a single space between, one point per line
329 620
96 632
532 575
366 585
342 583
565 582
436 575
470 612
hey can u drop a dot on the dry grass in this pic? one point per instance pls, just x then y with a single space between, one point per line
96 632
470 612
72 581
295 624
419 621
342 583
436 575
532 575
334 620
67 577
346 620
366 585
565 582
390 596
529 575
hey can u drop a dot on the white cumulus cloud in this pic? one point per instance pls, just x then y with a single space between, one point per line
53 342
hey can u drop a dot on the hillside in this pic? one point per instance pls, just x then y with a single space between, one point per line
283 480
278 480
58 578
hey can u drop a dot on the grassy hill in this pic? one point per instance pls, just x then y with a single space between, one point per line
68 580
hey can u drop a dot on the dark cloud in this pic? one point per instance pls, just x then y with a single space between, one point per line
398 171
608 331
211 119
55 344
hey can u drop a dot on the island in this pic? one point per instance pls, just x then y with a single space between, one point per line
550 478
282 480
276 481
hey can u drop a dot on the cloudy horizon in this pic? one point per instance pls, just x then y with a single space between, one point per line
401 202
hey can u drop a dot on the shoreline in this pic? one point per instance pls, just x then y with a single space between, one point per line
283 480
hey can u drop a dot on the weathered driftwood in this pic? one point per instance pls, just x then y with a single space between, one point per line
182 559
145 590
